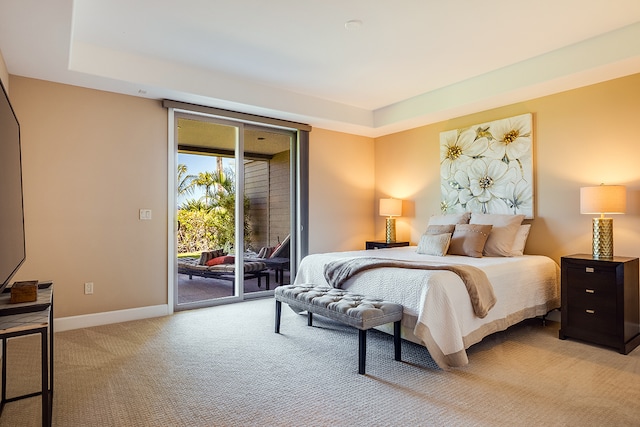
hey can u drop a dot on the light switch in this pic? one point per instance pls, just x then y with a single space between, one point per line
145 213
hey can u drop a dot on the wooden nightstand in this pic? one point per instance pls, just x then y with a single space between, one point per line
600 301
382 244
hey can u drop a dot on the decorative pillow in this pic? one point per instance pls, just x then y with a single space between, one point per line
517 249
469 239
225 259
434 244
207 255
502 234
459 218
440 229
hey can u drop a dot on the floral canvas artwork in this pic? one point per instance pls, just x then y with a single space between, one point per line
488 168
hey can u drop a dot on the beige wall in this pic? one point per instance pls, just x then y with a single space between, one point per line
582 137
91 160
341 188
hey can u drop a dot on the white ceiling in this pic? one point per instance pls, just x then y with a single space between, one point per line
411 62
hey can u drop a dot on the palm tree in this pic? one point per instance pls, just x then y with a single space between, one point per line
195 205
224 181
209 221
184 180
206 180
215 184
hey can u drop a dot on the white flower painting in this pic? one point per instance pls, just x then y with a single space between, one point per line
488 168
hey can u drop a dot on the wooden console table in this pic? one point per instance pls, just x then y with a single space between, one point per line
29 323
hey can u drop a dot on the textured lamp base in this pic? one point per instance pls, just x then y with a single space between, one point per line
602 237
391 230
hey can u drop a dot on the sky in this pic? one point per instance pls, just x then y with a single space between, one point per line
198 163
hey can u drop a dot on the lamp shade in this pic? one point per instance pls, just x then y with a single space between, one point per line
390 207
611 199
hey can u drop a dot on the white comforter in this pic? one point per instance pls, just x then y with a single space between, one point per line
437 308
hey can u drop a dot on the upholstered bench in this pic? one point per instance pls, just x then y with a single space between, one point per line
355 310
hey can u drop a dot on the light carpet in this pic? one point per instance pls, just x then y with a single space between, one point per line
225 366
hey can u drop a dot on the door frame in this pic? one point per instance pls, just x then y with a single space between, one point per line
299 190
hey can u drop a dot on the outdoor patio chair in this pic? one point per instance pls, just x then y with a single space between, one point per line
276 257
217 265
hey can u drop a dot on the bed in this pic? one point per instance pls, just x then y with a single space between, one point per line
438 312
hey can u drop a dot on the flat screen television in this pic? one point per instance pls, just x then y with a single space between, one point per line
12 237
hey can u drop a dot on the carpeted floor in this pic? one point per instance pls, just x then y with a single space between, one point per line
224 366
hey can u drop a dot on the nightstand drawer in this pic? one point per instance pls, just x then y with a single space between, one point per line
600 286
592 319
600 280
592 303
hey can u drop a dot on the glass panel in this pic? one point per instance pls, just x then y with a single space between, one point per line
206 210
267 181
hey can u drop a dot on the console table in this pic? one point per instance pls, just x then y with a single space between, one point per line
28 323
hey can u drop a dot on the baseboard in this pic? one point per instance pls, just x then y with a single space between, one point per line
97 319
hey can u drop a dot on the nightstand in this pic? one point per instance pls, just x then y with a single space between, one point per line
600 301
382 244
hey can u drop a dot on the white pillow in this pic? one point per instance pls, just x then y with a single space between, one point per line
502 234
434 244
521 240
459 218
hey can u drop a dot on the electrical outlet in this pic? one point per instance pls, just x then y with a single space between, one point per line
88 288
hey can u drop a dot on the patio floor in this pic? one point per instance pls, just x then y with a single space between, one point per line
204 288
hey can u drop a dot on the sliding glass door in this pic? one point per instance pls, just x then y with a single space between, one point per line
233 210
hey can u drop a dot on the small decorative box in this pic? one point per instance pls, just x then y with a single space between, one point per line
24 292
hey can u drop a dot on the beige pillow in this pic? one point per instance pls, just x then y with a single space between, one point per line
503 233
517 249
459 218
469 239
434 244
440 229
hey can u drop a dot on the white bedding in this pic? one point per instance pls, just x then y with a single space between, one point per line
437 308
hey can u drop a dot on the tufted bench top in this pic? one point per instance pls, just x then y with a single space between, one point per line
355 310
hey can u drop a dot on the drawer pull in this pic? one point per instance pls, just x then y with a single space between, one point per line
590 311
589 269
590 291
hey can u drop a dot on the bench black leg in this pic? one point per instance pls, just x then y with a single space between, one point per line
278 312
362 350
397 340
309 318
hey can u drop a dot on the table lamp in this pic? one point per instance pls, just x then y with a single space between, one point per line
603 199
390 208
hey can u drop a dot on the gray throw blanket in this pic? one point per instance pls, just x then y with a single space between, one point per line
476 281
